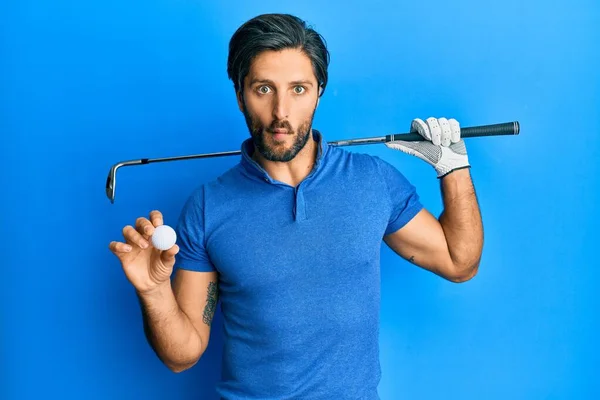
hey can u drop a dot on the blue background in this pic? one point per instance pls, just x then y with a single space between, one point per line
87 84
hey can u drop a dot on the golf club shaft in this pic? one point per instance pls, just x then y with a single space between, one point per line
508 128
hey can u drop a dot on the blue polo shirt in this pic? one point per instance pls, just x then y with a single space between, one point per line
299 280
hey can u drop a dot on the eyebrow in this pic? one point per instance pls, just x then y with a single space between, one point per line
257 80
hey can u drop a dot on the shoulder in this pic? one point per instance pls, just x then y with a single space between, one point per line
228 185
361 161
380 173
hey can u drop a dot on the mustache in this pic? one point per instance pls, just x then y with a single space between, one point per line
280 125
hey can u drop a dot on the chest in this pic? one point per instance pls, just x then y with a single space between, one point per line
308 236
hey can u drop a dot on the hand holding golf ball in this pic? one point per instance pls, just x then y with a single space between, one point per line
148 252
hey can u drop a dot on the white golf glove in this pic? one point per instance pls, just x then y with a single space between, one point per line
443 148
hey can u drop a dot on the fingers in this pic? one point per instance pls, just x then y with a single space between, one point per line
455 128
426 151
439 131
419 126
139 237
169 255
133 236
435 130
156 217
146 226
446 132
402 146
119 247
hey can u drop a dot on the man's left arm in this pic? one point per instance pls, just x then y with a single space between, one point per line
450 246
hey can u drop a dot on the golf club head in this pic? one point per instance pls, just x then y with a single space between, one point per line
111 179
111 183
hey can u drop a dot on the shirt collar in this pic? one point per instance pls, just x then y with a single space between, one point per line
255 170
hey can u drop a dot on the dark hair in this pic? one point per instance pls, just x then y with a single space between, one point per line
275 32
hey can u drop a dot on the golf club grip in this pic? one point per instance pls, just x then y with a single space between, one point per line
507 128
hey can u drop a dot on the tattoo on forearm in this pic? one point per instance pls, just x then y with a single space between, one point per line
211 303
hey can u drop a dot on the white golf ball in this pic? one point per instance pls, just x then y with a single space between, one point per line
164 237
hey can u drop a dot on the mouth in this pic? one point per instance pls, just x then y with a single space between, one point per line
279 134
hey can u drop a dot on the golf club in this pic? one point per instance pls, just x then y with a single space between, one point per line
507 128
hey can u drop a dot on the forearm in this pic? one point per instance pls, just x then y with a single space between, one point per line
168 330
461 222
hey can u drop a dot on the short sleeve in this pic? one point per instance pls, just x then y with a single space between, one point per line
191 236
403 197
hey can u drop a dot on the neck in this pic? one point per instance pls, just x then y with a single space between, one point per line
294 171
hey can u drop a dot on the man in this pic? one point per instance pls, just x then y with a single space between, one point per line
288 239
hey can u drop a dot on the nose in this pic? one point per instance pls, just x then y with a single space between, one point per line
281 107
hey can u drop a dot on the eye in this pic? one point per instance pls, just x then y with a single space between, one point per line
299 89
263 89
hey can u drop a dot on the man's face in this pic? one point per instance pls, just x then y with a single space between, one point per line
280 97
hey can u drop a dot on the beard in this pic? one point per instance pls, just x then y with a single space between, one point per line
277 152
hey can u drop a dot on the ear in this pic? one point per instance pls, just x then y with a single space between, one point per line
319 96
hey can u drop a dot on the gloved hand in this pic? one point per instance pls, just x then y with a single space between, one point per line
442 148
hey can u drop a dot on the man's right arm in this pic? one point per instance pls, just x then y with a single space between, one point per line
177 317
